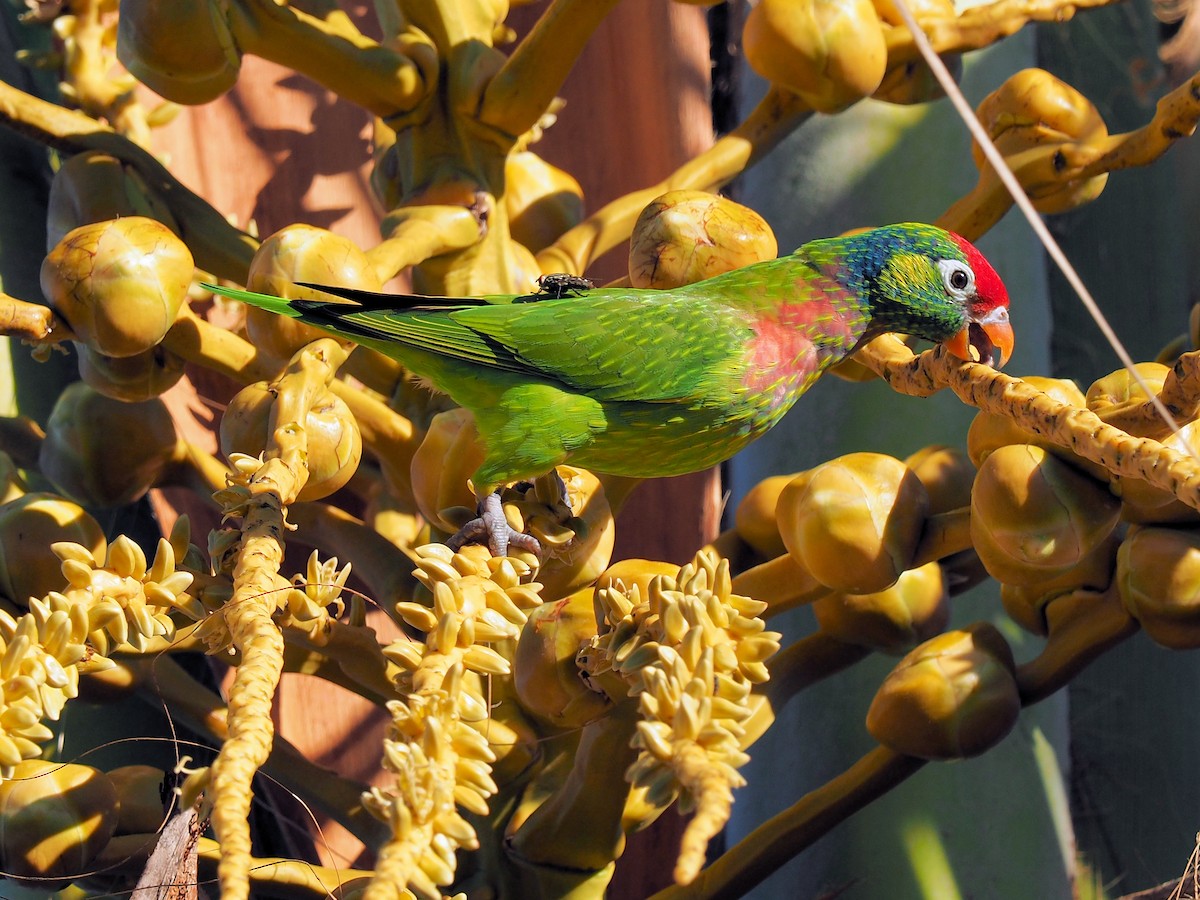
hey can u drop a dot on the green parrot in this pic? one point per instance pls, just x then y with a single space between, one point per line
649 383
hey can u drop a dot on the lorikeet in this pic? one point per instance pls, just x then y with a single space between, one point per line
662 382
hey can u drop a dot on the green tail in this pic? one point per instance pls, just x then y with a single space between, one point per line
277 305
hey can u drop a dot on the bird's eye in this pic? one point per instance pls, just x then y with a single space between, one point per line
958 278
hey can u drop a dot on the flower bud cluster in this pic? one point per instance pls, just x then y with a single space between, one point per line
689 650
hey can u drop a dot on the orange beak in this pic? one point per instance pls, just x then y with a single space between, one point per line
989 340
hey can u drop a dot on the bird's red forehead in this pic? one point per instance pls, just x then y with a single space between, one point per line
988 285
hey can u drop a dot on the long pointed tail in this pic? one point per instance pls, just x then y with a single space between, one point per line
269 302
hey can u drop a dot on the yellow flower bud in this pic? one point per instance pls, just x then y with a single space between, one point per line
548 681
1158 577
755 519
1033 517
955 696
830 52
54 819
854 522
103 452
301 253
181 51
442 467
119 284
683 237
947 474
334 443
28 526
1034 109
542 200
893 620
130 379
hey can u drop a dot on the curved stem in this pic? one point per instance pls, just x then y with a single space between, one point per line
331 51
526 85
776 116
780 838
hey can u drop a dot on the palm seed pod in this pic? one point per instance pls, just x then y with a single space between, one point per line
987 431
139 798
830 52
1158 577
1026 603
955 696
1033 517
683 237
542 200
119 284
947 474
568 512
93 187
854 522
442 467
28 526
1033 109
893 620
103 452
54 819
334 445
548 682
755 519
294 254
913 81
181 51
130 379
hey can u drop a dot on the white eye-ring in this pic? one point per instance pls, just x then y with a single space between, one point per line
957 276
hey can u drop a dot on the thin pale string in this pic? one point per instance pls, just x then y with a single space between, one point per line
950 86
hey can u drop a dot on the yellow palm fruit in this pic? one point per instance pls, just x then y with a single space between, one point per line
988 431
542 200
93 187
947 474
1118 392
893 620
683 237
830 52
334 445
913 81
1026 603
1158 577
28 526
1117 395
54 819
139 798
854 522
182 51
1032 110
755 519
119 284
548 682
1034 517
301 253
442 467
576 530
103 452
131 379
955 696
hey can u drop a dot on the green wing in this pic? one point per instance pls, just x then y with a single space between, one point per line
613 344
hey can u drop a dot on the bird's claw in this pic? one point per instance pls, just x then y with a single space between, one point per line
491 527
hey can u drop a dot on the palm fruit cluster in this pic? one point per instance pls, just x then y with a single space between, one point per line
539 711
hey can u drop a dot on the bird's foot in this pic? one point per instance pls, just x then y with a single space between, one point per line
491 527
